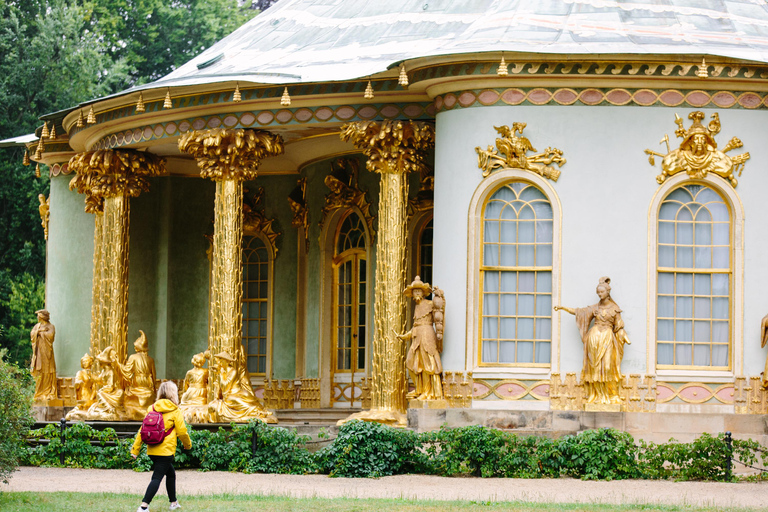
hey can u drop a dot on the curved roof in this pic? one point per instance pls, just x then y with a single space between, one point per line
328 40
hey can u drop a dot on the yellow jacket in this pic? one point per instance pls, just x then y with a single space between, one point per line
171 416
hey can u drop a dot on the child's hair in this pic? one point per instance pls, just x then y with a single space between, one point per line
168 390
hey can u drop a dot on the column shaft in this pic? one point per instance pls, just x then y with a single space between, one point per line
98 302
116 225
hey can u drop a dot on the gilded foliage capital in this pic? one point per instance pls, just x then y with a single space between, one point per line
224 153
109 173
391 146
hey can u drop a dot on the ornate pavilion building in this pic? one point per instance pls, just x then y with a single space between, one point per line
281 189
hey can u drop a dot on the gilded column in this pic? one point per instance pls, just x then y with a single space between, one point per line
109 178
228 157
393 148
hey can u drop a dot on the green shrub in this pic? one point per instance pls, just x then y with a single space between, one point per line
83 447
366 449
16 390
605 454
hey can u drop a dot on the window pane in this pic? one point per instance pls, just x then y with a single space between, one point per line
525 352
665 353
489 351
543 329
506 351
543 352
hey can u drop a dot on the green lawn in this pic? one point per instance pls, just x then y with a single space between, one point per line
64 501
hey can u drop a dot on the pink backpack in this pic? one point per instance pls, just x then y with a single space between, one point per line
153 428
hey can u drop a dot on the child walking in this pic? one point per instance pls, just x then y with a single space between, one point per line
162 454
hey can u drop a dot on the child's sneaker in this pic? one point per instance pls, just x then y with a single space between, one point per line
174 506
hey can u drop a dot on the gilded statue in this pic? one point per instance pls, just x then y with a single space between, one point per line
698 154
110 394
603 346
426 337
345 192
85 390
764 341
194 398
43 366
138 372
45 212
233 398
511 151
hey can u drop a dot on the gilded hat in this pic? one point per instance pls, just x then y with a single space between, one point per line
141 342
44 313
225 355
105 355
417 283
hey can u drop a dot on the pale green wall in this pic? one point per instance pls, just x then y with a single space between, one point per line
69 275
605 189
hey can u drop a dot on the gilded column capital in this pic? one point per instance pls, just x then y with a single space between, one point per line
224 153
110 173
391 146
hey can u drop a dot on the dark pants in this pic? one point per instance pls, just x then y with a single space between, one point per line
162 466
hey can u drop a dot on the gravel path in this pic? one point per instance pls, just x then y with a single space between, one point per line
564 490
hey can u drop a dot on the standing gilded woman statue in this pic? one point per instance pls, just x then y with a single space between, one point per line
603 346
43 365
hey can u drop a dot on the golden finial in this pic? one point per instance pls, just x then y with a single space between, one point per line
236 96
26 160
91 119
168 103
702 71
37 170
286 99
403 79
80 120
45 134
39 150
368 91
53 129
140 107
502 70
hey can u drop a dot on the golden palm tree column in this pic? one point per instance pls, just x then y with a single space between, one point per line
109 178
393 148
229 157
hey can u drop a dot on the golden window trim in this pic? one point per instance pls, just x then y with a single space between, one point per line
485 189
736 320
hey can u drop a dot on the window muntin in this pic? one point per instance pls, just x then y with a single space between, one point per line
350 296
516 277
694 280
255 303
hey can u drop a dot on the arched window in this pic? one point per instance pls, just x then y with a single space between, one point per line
255 303
516 277
424 262
694 272
349 316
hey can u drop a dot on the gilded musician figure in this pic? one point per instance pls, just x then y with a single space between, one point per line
603 346
426 336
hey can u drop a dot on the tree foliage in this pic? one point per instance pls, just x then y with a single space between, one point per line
55 54
16 388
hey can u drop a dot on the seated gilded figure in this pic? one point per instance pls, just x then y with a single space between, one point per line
85 388
233 397
109 392
603 346
194 399
139 375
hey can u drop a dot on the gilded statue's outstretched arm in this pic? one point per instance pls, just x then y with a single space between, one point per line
567 310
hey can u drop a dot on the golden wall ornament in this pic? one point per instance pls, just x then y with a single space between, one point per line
45 213
345 191
393 149
511 152
603 347
255 221
297 200
426 337
698 154
229 157
43 366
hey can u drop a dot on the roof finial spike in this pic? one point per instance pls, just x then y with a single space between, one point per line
53 129
45 134
502 69
37 170
80 120
168 103
403 78
368 91
26 160
286 99
140 107
39 150
702 71
91 119
236 96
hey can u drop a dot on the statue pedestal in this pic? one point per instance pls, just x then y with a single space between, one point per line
602 407
428 404
49 410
